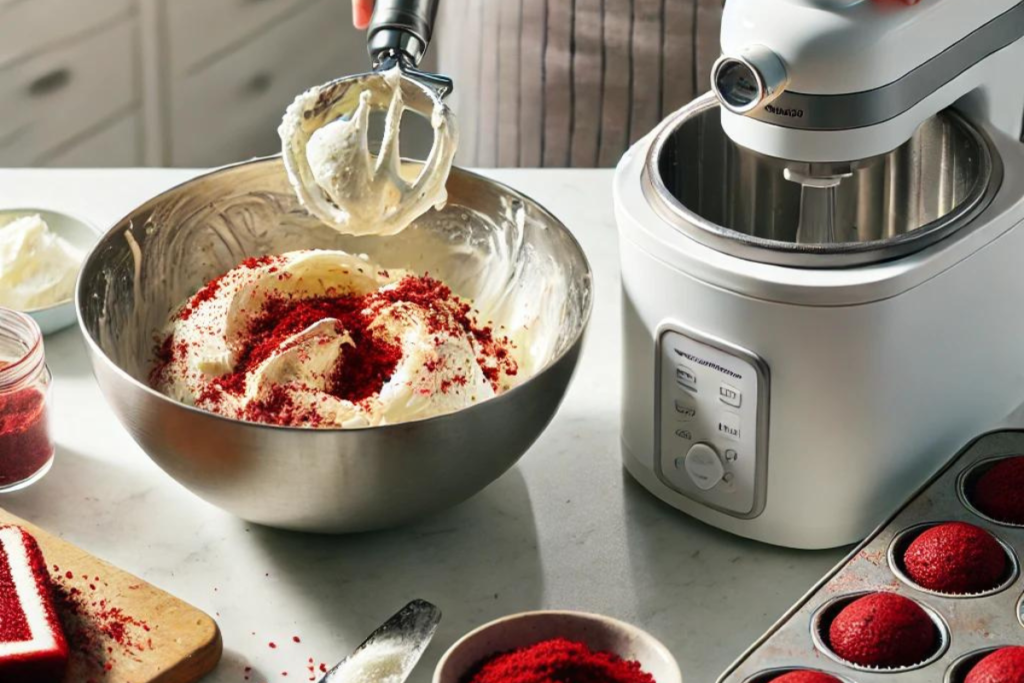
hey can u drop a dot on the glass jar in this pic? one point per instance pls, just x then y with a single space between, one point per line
26 446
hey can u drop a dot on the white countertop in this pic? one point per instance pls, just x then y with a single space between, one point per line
566 528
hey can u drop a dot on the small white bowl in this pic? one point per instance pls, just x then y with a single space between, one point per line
80 234
598 632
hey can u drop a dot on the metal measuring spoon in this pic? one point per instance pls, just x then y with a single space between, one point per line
391 652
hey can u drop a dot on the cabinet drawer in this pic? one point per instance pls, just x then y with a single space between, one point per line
198 29
231 110
117 145
61 94
31 26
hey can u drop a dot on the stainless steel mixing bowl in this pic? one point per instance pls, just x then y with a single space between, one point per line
739 202
490 242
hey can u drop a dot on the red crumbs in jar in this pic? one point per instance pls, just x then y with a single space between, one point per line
25 445
558 659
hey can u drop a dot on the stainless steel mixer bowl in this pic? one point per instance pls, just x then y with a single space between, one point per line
328 480
737 201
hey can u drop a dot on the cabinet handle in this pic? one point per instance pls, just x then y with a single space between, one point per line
50 82
259 83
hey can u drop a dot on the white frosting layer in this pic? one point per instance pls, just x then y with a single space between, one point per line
440 370
326 150
12 544
37 268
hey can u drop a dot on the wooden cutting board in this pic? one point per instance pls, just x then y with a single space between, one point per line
120 628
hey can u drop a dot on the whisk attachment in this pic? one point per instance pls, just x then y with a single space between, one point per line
325 132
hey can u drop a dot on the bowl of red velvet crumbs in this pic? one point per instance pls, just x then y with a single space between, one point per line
573 647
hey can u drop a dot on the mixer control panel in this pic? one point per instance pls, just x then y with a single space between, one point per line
712 431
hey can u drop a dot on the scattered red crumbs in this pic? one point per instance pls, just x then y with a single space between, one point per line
164 357
98 632
365 366
205 294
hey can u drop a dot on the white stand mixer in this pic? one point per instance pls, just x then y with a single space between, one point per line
822 264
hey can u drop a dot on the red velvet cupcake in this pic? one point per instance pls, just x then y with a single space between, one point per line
883 630
999 492
1005 665
956 558
805 677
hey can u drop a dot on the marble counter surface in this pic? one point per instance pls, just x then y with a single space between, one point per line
566 528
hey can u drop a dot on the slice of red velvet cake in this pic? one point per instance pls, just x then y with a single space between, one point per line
32 645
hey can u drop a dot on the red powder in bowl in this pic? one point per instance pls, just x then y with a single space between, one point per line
558 661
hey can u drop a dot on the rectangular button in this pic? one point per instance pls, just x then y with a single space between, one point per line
686 377
685 411
729 426
730 395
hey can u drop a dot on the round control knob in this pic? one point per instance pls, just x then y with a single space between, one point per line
704 466
748 80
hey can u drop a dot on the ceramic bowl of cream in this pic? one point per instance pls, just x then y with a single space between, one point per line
73 234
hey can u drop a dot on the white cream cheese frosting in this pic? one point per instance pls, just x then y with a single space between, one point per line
37 267
328 339
326 150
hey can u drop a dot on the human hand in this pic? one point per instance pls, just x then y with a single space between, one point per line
361 12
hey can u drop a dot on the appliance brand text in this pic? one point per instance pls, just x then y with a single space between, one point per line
785 111
708 364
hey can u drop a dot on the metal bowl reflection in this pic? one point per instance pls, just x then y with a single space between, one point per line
489 242
740 202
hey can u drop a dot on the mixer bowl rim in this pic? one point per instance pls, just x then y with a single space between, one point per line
812 256
97 350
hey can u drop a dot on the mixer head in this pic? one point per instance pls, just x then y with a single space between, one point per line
827 87
398 36
841 80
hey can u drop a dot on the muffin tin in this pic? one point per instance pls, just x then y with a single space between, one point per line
969 626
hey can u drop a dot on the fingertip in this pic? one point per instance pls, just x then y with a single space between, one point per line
361 12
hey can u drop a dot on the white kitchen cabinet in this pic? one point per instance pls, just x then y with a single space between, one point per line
63 94
230 109
201 31
116 145
161 82
28 27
